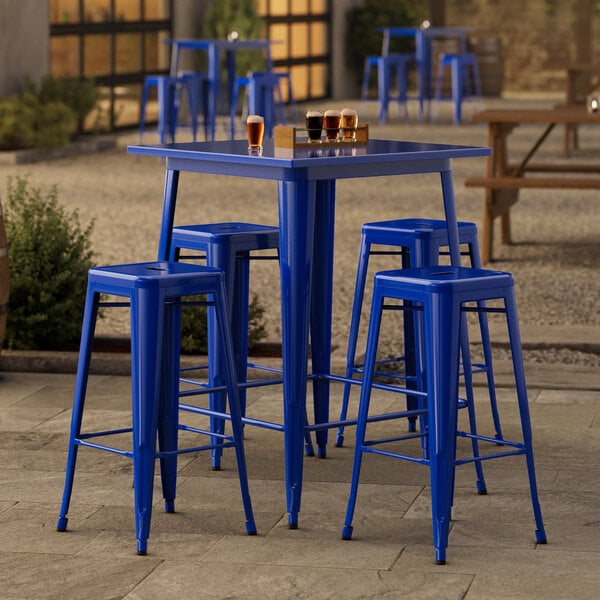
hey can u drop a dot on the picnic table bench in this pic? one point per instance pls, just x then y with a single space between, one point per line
504 179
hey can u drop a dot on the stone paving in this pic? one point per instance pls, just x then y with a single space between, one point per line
201 551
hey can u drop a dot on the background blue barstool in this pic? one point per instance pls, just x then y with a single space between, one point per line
390 67
439 296
153 291
169 91
263 97
229 247
420 243
464 74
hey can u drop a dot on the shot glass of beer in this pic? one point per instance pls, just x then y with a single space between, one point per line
349 124
331 123
314 126
255 130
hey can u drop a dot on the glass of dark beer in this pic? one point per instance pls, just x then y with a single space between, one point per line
255 130
331 123
314 126
349 124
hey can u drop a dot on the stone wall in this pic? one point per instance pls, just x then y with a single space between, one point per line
536 42
23 43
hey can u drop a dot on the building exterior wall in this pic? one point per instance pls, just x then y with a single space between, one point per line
537 38
23 43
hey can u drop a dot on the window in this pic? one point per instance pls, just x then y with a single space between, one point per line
117 42
301 29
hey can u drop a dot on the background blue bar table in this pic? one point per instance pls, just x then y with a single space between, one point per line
424 37
306 194
214 49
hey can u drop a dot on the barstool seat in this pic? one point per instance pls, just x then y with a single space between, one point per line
418 242
153 291
439 296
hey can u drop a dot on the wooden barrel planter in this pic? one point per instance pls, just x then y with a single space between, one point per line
3 278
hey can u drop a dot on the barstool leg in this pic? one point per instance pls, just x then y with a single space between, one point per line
359 292
168 417
521 387
222 257
363 408
234 405
468 377
147 327
83 366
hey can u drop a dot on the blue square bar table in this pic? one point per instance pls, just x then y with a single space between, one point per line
306 204
424 37
214 49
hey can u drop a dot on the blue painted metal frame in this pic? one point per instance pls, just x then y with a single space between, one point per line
306 192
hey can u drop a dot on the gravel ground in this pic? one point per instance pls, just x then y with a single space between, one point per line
555 258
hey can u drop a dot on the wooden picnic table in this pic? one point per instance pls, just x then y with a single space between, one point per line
504 179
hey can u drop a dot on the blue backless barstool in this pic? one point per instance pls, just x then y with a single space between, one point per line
169 93
439 295
153 291
464 77
390 67
230 247
419 242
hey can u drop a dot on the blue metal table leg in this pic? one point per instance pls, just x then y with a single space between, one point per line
296 222
322 293
168 214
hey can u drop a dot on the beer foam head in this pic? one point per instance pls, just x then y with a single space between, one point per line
332 112
347 112
314 113
254 119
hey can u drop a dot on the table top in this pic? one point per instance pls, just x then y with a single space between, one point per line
378 157
203 44
575 113
429 31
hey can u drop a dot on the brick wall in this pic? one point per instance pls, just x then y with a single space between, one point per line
536 43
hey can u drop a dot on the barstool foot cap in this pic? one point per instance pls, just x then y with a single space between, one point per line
61 525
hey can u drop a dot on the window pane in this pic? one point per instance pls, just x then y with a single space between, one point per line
127 52
279 7
156 9
64 55
318 80
64 11
299 40
96 50
318 7
127 10
300 7
300 82
96 11
318 38
127 105
278 32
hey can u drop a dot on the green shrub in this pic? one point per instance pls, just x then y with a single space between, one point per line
362 37
27 123
50 255
80 95
224 16
194 333
16 124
